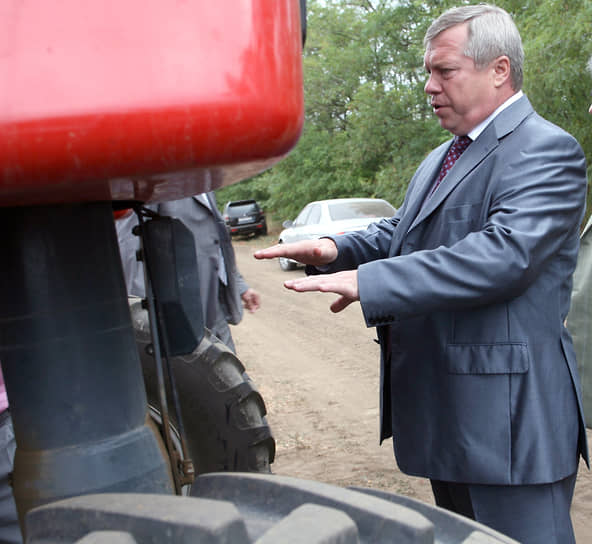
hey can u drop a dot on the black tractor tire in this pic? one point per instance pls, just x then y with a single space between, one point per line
223 413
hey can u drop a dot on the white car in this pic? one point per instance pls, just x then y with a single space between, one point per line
331 217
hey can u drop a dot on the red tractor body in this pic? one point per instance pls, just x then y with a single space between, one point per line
148 101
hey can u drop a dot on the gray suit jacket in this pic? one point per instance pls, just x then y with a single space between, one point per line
469 294
221 303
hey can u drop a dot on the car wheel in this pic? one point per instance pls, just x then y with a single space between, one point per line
286 264
223 413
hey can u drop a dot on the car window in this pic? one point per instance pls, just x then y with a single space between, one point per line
302 216
314 218
236 210
354 210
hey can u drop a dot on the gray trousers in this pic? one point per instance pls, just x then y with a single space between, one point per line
9 527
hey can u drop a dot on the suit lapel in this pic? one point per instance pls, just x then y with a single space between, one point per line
419 188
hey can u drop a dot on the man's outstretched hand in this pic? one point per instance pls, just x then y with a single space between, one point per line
315 252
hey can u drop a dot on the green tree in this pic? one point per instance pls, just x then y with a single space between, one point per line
558 43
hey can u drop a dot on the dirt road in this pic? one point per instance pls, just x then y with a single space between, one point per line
318 374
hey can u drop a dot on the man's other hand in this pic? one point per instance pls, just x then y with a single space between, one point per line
251 300
342 283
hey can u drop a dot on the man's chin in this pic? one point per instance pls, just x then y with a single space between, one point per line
447 124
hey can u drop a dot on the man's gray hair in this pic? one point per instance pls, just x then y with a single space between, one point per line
492 33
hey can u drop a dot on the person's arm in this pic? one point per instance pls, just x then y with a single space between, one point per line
342 253
251 300
319 252
365 246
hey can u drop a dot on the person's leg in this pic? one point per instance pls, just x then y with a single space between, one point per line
453 496
527 513
221 330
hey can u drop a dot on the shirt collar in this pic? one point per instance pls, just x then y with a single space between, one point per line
474 134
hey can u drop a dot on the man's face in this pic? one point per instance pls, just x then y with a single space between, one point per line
461 95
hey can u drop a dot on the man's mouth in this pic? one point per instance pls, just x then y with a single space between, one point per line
437 108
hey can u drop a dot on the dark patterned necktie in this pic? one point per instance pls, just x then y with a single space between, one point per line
459 144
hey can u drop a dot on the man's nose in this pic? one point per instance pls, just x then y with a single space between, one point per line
430 86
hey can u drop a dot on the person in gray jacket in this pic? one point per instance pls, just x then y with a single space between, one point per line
223 290
579 321
469 287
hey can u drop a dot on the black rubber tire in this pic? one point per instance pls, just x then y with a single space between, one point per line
223 413
286 265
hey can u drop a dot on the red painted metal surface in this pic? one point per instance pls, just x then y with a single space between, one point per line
128 99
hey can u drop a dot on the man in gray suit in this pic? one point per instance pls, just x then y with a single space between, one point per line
469 286
222 288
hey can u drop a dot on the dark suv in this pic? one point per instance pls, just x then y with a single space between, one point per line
244 217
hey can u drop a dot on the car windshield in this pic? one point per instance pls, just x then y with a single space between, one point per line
242 209
357 210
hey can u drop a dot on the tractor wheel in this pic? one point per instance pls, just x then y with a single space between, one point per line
223 413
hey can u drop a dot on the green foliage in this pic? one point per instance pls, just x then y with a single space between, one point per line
367 122
558 43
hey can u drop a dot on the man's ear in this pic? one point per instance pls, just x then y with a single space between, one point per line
501 69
